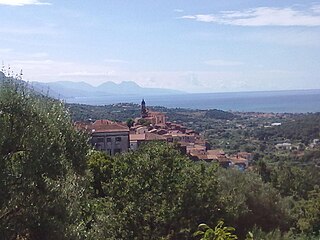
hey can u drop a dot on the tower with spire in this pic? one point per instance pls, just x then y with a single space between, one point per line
144 112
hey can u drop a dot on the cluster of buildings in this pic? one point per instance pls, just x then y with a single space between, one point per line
298 146
112 138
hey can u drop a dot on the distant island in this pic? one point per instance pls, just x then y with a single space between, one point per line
68 89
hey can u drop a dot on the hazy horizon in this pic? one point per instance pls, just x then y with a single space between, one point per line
243 91
232 46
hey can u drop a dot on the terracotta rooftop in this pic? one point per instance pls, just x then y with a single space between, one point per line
238 160
200 156
103 125
102 122
116 127
146 137
216 152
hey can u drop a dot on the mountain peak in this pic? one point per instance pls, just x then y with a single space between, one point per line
129 84
81 89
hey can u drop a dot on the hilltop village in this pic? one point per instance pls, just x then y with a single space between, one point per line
114 138
51 177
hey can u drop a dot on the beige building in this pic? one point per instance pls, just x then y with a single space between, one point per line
155 118
108 136
137 139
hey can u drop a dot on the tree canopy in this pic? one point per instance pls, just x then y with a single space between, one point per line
53 186
42 161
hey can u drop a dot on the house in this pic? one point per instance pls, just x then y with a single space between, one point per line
181 137
239 162
137 139
315 143
141 130
162 131
284 146
107 136
245 155
155 118
193 148
159 129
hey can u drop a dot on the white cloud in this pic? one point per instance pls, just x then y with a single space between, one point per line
41 30
49 70
316 8
223 63
202 18
87 74
22 2
288 37
5 50
263 16
111 60
178 10
39 55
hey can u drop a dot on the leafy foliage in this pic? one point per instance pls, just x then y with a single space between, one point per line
53 187
42 164
247 201
219 114
156 191
218 233
302 127
308 213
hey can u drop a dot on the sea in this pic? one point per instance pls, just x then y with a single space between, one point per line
291 101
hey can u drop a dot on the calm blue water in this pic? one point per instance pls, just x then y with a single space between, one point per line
300 101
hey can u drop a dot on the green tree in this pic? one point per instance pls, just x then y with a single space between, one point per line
144 122
130 122
42 166
100 165
247 201
157 192
218 233
295 181
308 213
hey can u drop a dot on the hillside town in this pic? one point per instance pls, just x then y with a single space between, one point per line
114 138
48 164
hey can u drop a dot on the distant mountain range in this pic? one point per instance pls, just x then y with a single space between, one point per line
67 89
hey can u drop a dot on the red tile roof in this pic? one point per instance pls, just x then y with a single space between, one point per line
146 137
103 125
115 127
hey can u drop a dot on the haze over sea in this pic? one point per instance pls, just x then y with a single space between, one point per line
297 101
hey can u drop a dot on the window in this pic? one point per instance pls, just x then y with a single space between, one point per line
100 140
118 139
108 140
117 150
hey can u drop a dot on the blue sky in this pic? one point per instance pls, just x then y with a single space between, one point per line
195 46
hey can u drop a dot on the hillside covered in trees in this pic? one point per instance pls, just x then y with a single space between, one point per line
54 186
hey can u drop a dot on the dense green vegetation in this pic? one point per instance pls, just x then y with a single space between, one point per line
156 192
53 186
42 167
117 112
219 114
300 128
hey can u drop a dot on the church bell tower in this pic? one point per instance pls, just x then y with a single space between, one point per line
144 112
